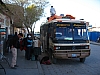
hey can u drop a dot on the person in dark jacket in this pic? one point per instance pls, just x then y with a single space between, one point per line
14 46
28 45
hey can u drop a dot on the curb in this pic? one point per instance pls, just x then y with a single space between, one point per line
94 43
40 68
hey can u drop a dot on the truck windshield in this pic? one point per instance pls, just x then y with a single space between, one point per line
64 33
71 33
80 34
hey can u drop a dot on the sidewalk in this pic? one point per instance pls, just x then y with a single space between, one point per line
26 67
95 43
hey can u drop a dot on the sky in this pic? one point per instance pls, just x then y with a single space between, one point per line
89 10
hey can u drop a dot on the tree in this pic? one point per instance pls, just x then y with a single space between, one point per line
33 10
33 14
17 16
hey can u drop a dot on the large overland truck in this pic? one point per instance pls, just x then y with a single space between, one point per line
65 38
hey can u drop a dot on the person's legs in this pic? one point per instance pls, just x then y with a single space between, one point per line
28 53
25 54
14 58
36 57
31 52
37 52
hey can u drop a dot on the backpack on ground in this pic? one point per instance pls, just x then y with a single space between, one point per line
45 60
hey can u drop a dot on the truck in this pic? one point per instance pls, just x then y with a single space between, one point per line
65 38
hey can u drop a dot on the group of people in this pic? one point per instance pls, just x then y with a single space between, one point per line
31 45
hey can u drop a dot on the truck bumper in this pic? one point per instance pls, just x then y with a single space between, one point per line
65 54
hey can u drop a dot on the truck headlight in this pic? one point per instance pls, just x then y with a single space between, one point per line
57 47
86 47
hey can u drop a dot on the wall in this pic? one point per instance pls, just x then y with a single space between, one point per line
94 36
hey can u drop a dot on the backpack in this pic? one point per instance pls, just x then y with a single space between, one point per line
45 60
21 44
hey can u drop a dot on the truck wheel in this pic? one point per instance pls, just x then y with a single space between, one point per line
54 60
82 60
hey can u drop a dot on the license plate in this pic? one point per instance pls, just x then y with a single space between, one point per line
73 55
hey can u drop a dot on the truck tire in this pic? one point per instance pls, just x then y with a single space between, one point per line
53 59
82 60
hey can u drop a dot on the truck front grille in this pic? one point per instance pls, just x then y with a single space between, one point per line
71 47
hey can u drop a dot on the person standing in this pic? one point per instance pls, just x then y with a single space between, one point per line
52 11
20 41
14 46
28 44
37 48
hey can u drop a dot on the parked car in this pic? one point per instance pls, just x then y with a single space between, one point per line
37 35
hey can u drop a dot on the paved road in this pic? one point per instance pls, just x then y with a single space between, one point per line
73 67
